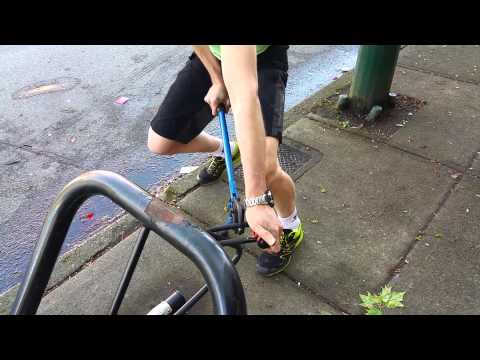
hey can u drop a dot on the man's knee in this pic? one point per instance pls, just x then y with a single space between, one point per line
160 145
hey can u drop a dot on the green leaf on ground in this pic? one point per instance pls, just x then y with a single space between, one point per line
385 299
386 292
367 301
374 311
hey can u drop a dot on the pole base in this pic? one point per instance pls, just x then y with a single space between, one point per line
374 113
343 102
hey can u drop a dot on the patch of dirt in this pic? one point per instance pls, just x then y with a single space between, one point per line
391 119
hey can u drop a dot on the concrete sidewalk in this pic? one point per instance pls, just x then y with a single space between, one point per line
364 195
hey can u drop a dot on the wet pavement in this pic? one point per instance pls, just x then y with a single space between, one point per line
58 119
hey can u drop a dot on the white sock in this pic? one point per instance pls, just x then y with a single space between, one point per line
219 152
291 222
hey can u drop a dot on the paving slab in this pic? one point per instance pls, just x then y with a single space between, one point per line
207 203
358 230
162 269
461 62
443 272
361 226
475 168
447 128
376 200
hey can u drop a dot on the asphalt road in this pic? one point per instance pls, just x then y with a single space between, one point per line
58 120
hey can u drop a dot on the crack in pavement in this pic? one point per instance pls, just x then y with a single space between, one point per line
396 269
51 155
445 76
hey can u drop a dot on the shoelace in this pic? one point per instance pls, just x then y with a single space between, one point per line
214 164
286 248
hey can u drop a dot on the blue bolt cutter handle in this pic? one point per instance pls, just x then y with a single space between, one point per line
228 155
234 204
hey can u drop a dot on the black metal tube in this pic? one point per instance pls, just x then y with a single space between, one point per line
192 301
220 274
223 227
129 270
204 289
236 241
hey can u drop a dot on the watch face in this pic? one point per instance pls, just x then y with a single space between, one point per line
269 198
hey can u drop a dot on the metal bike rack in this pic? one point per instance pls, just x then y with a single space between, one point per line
200 247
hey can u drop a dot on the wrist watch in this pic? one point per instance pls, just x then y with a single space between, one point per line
264 199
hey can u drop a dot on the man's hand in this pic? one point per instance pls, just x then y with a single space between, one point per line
216 96
264 222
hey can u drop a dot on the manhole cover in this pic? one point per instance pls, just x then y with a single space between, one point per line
291 160
46 87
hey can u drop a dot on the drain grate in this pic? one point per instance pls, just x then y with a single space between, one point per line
291 160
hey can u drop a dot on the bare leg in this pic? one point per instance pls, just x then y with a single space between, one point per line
163 146
279 182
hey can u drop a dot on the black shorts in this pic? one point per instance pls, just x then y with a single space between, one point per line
184 114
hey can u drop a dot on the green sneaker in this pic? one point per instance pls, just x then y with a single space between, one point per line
216 166
271 264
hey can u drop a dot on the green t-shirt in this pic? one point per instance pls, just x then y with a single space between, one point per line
217 51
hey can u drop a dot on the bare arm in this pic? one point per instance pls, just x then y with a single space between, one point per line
240 74
217 94
210 62
239 68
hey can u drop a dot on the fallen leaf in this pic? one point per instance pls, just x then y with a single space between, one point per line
314 221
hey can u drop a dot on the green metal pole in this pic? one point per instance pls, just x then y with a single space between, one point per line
372 77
